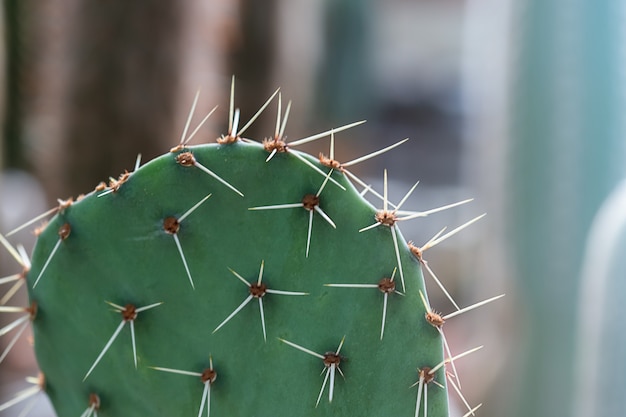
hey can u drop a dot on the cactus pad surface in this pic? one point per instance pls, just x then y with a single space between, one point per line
211 281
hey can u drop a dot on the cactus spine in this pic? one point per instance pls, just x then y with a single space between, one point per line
221 279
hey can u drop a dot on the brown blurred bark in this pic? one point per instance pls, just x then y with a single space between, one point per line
109 80
252 61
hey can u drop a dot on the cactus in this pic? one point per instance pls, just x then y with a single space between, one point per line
599 345
222 278
553 121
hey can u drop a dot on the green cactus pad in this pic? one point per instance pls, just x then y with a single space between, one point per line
153 240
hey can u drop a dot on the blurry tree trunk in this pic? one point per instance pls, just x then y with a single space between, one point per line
252 61
9 50
109 80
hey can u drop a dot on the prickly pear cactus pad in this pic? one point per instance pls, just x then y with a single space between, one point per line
236 278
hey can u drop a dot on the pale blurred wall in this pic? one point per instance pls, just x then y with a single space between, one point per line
545 99
487 60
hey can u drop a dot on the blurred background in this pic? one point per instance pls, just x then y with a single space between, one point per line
518 104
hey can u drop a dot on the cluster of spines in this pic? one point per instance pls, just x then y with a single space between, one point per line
331 360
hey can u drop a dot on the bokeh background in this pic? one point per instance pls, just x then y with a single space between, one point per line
516 103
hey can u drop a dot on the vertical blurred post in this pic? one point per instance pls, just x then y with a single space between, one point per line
344 80
567 153
11 151
251 60
11 85
3 82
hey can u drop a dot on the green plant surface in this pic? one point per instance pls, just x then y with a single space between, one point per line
237 278
119 252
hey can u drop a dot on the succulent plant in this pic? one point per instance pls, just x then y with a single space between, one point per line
222 278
